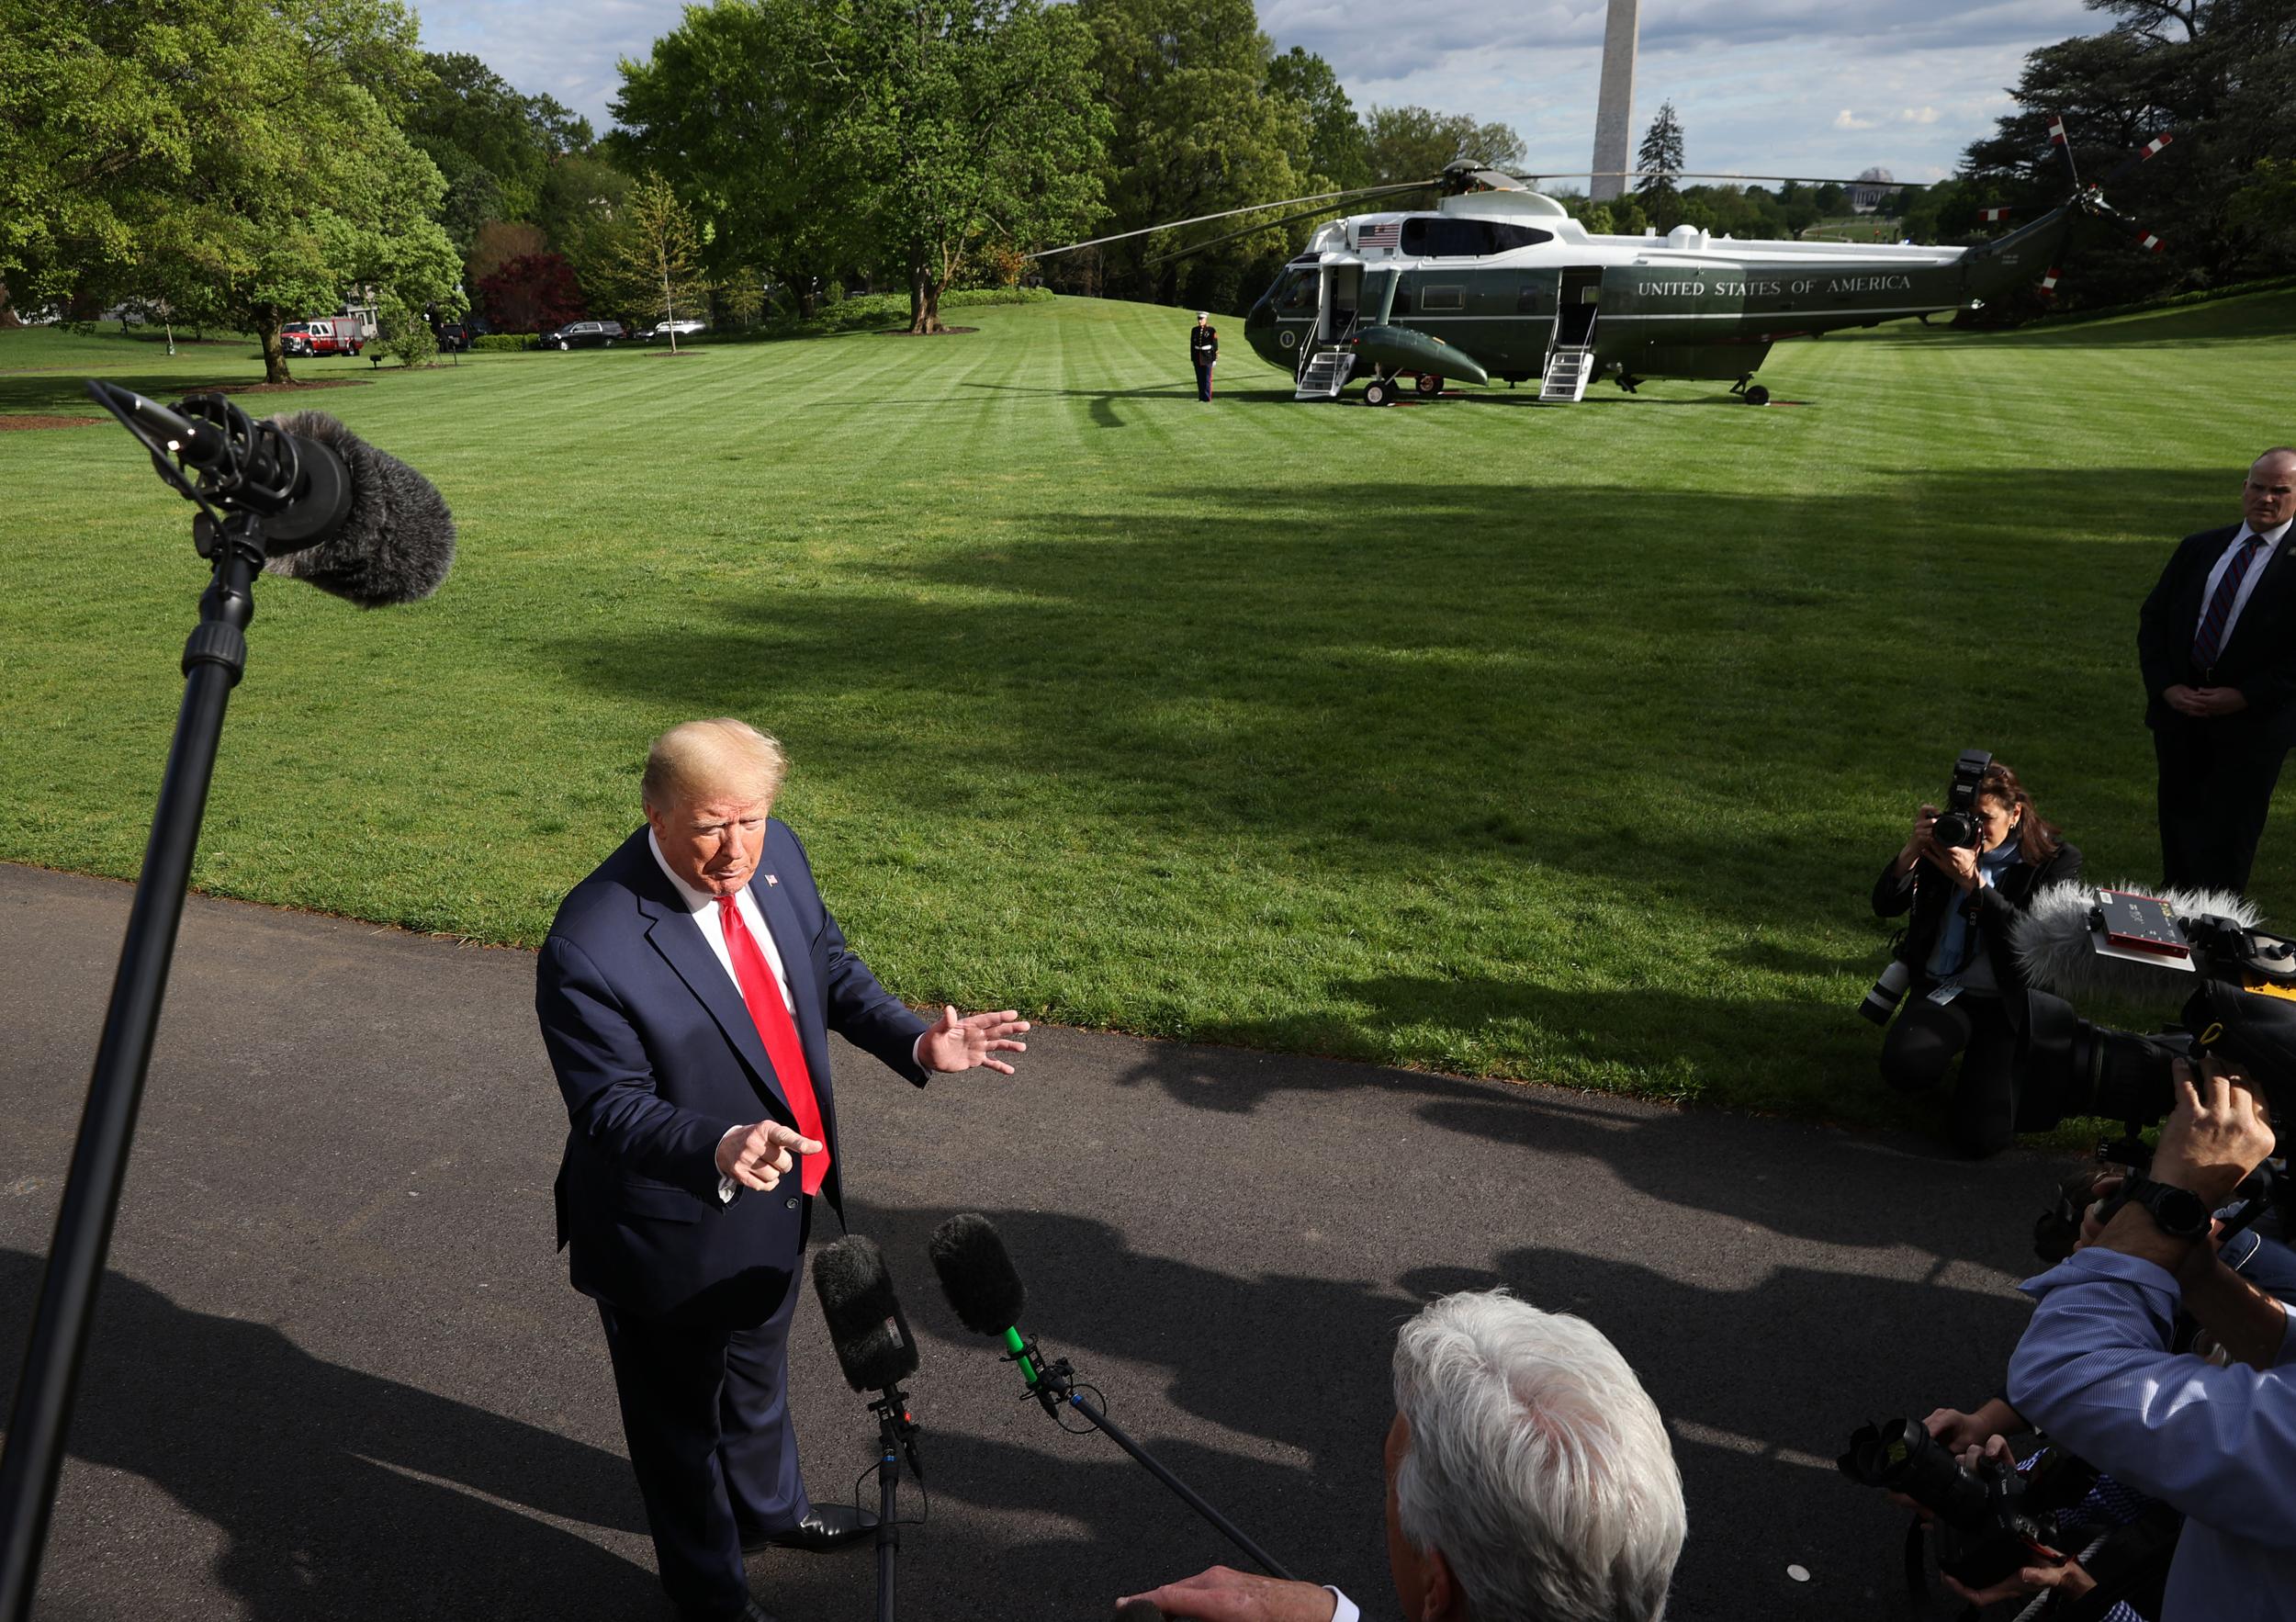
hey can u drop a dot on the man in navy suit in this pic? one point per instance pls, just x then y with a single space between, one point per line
2217 640
686 994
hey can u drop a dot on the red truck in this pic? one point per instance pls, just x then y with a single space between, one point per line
323 335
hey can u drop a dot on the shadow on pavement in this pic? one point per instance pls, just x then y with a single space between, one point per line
340 1494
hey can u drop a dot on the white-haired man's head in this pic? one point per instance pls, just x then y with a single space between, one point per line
1529 1476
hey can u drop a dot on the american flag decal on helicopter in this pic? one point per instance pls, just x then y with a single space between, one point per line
1386 233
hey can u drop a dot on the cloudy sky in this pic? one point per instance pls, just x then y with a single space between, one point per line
1763 87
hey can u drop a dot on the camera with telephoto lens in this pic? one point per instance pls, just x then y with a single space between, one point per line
1956 826
1988 1519
2242 1013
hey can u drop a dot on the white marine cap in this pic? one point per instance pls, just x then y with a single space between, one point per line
1203 315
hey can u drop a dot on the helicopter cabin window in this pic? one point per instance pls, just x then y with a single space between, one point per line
1296 292
1441 236
1433 300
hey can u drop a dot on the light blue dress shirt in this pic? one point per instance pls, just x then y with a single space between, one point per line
2094 1371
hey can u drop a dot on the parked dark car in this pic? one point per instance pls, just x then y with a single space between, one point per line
585 335
454 337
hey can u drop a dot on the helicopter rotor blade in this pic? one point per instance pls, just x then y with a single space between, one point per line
2064 142
1194 248
1361 191
2134 161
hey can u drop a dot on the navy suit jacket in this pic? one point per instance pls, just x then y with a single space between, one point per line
2259 659
657 1058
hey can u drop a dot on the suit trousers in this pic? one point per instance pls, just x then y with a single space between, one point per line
1919 1049
2216 788
706 1415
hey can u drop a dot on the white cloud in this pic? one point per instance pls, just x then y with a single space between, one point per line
1922 115
1846 119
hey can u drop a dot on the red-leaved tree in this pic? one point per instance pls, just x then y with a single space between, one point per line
535 293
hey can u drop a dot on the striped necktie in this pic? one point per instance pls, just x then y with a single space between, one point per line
2208 640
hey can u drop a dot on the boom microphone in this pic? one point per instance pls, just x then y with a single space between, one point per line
976 1274
335 511
394 540
2055 939
979 1280
873 1345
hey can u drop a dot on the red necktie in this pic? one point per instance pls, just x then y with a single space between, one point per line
763 994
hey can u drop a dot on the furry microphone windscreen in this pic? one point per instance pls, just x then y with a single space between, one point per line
2051 938
397 540
976 1274
866 1325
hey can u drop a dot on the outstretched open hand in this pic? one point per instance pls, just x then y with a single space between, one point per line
972 1040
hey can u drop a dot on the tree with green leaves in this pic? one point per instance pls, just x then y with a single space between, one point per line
494 145
962 123
238 162
1661 160
1415 143
1195 132
1337 154
731 103
657 254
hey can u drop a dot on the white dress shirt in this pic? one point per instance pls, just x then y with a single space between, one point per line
2271 539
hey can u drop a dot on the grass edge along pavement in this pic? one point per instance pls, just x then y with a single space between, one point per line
1548 744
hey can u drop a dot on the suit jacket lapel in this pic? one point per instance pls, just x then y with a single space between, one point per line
805 987
674 933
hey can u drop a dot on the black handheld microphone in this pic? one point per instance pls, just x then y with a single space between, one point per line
982 1285
335 511
866 1324
869 1329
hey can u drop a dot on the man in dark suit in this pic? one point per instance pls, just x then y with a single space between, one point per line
686 994
2217 640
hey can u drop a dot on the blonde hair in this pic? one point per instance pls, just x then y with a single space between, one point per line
700 759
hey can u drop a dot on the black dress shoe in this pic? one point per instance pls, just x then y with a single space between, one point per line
750 1612
831 1525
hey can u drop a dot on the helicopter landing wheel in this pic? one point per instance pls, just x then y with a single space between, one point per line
1379 392
1757 395
1428 384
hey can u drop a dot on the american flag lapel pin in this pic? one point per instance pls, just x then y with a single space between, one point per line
770 879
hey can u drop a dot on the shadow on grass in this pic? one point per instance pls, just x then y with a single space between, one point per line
1604 737
340 1494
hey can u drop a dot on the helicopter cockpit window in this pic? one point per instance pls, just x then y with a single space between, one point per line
1296 292
1504 236
1439 237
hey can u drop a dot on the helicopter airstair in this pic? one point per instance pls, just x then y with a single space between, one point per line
1325 374
1568 368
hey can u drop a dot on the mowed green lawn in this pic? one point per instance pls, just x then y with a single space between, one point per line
1547 744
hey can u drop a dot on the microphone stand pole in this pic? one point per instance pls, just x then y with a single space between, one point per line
213 660
1056 1388
896 1435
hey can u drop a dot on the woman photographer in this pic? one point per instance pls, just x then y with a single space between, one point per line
1967 997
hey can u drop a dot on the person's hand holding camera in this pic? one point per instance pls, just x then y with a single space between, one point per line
1920 843
1962 1432
2218 1133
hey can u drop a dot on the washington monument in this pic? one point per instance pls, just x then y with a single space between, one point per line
1614 111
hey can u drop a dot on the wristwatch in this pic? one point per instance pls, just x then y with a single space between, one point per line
2177 1212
